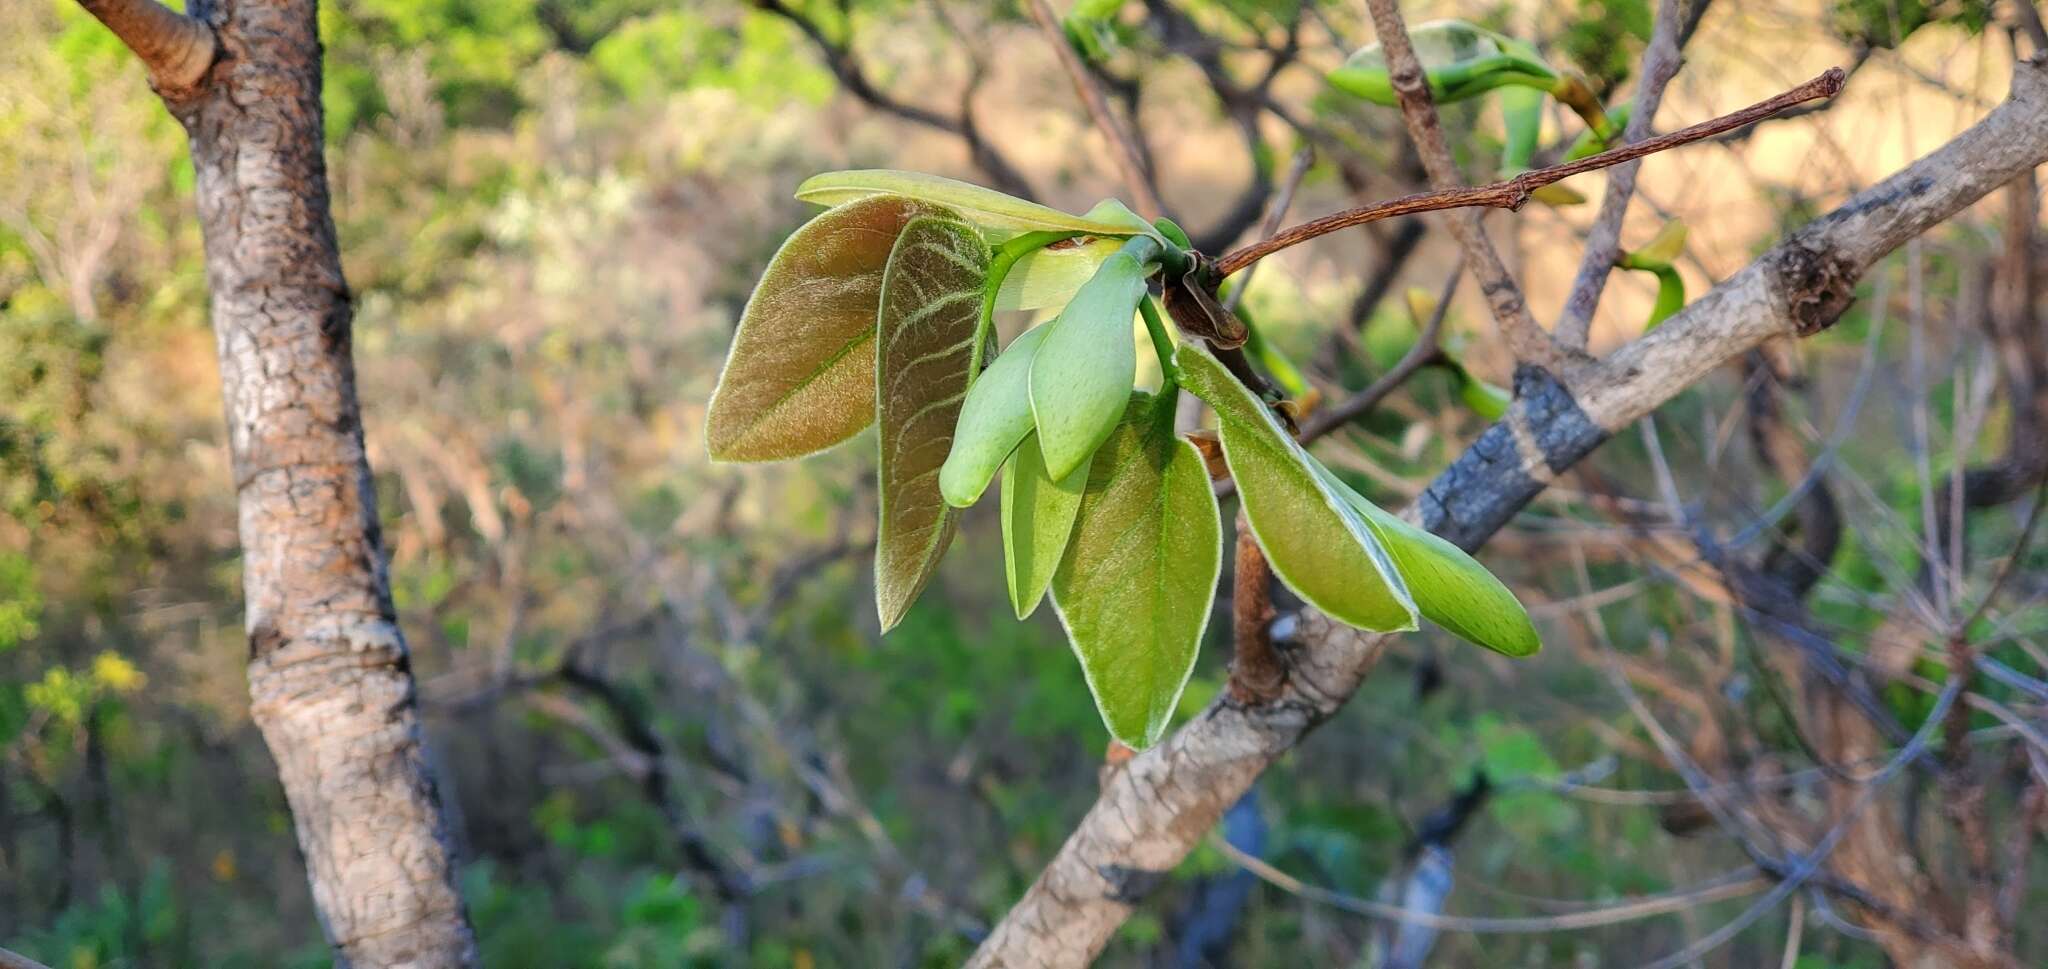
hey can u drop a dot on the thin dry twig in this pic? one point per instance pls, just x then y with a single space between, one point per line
1303 160
1129 160
1426 349
1732 885
1661 61
1514 192
1518 327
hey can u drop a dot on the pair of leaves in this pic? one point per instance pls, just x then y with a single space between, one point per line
1340 552
871 309
1068 380
801 374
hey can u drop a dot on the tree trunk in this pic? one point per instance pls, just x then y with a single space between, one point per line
330 681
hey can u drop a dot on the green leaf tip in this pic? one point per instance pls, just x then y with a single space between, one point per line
1038 519
994 419
1083 372
1315 540
1343 554
1138 577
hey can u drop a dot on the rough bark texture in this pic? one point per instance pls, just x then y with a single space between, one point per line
1154 809
329 679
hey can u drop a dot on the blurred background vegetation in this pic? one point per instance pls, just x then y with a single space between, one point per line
653 687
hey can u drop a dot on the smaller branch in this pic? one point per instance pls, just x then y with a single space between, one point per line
844 65
1130 161
1603 242
1426 349
1733 885
1525 337
1514 192
1256 674
176 48
1296 171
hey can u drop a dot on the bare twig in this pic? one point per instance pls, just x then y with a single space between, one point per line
1812 861
1425 350
1732 885
845 66
1603 240
1256 673
1524 336
1514 192
1296 171
1130 161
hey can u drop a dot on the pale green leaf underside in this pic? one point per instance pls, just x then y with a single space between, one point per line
1038 518
1135 586
801 374
925 332
996 415
1316 541
992 210
1083 372
1451 588
1050 276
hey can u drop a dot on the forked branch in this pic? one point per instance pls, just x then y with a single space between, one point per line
1514 192
176 48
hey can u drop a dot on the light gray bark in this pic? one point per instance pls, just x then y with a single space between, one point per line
330 681
1155 808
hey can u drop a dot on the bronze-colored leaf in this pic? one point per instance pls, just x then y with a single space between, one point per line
930 309
801 374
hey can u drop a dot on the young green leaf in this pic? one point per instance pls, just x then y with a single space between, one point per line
1002 215
1139 574
1656 257
1450 587
1663 249
995 417
1521 112
1485 399
801 374
1670 297
1050 276
1316 541
1083 372
1459 60
1038 517
926 328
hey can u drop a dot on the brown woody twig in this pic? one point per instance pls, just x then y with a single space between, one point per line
1129 160
1514 192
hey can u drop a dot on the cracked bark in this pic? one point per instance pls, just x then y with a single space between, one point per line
330 682
1154 810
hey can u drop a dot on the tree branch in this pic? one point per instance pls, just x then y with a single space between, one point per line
1130 161
1514 193
1154 810
1524 336
176 48
840 59
1603 240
